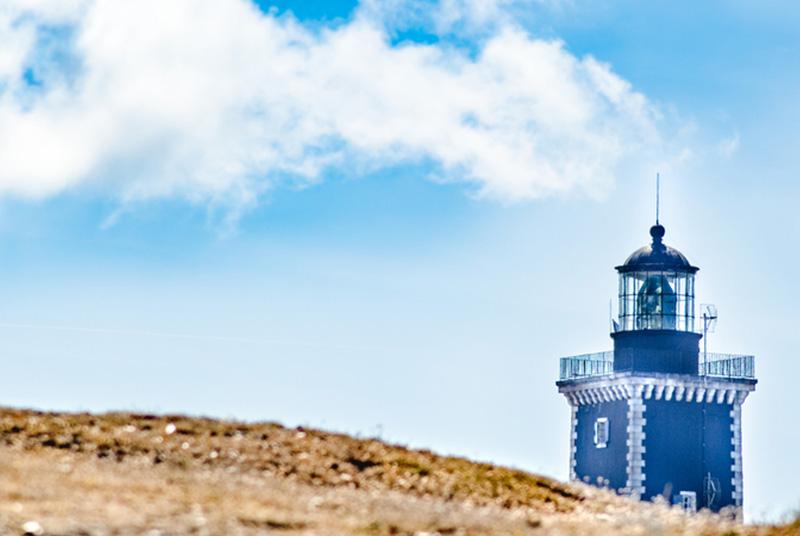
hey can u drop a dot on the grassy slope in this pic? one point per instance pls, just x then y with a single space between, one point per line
127 474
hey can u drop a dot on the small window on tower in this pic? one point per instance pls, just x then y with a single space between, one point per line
601 432
688 501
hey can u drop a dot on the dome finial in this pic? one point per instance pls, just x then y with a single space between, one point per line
657 231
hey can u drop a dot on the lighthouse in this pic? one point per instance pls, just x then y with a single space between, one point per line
657 416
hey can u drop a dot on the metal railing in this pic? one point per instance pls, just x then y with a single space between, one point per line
712 364
728 366
586 365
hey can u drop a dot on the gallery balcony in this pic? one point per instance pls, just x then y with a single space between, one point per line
729 366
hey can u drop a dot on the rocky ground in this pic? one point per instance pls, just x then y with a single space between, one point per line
84 474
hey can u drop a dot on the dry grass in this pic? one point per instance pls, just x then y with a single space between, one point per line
134 474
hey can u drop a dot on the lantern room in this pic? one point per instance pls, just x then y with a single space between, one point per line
656 288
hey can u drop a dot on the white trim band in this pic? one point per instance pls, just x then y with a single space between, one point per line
666 387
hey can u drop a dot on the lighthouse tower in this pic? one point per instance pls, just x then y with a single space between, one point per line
656 416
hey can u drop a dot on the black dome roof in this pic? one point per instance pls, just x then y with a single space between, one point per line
657 256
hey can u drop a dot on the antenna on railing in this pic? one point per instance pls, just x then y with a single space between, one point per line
709 326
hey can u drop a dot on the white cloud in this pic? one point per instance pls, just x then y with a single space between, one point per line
728 146
212 100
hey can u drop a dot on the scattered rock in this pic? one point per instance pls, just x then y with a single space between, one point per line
32 528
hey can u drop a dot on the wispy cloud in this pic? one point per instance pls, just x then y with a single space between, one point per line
216 101
728 146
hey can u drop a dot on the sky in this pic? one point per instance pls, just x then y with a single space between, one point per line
390 218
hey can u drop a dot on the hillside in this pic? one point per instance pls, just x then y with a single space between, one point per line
132 474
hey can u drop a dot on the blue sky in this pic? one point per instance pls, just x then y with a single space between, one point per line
399 285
